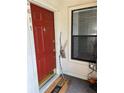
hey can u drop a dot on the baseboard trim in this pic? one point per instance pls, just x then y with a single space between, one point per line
84 77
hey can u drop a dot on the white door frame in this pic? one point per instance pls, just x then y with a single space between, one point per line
32 50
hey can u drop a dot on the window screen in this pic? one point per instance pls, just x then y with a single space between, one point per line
84 34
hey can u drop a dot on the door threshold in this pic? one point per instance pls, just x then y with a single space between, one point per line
48 83
60 85
46 79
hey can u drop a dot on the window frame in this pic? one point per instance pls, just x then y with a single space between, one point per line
78 59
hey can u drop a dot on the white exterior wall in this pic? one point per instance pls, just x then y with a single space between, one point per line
75 68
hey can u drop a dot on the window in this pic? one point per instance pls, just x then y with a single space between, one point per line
84 34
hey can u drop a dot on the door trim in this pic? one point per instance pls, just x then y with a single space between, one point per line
43 4
55 11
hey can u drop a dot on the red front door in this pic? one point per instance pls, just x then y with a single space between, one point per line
44 39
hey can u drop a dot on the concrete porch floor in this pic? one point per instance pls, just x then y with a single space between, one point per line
77 85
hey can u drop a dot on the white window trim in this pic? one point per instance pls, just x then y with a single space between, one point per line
69 25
